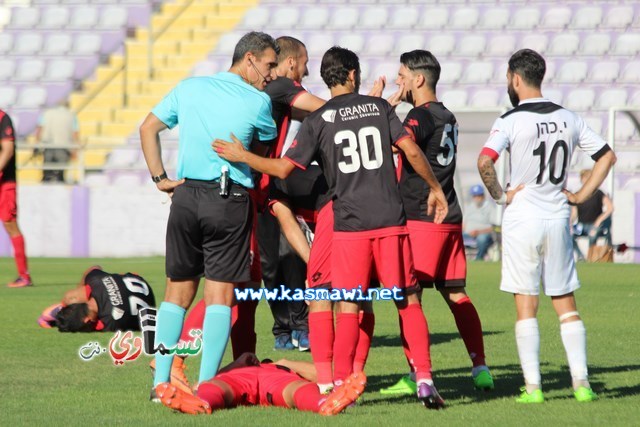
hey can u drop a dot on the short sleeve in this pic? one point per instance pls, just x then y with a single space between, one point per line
167 110
396 128
6 128
266 129
498 138
284 91
303 149
420 124
589 141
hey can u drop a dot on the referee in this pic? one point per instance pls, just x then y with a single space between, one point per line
210 220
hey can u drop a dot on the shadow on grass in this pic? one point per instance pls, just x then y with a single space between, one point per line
436 338
456 384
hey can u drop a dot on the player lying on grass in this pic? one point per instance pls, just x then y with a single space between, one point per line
101 302
248 382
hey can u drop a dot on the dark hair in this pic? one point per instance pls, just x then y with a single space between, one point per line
254 42
336 64
529 65
71 318
423 62
289 46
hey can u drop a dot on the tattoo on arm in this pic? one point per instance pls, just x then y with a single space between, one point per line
490 177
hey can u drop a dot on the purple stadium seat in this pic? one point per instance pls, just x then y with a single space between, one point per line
612 98
30 70
380 44
8 96
450 72
314 18
556 18
596 44
353 41
501 45
440 44
478 72
83 18
24 18
409 42
7 69
433 18
373 18
495 18
485 98
32 97
255 19
537 42
454 99
285 19
604 72
627 44
403 18
28 44
343 18
572 72
580 99
472 45
564 44
318 43
6 43
631 73
587 18
525 18
112 18
54 18
57 44
60 70
464 18
619 17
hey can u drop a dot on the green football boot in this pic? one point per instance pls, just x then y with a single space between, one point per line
535 396
584 394
483 381
406 386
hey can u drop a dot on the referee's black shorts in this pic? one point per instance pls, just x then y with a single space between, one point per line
208 234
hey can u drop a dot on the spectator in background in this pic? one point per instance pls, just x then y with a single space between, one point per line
57 126
478 221
8 200
593 217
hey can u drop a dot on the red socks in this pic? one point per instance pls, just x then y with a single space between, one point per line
243 333
212 394
321 336
20 256
194 320
308 398
416 333
344 347
470 329
367 323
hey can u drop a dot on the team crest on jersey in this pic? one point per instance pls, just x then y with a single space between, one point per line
117 313
329 116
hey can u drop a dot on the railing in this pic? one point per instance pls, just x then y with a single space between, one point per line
612 138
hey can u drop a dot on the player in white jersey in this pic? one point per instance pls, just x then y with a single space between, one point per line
541 137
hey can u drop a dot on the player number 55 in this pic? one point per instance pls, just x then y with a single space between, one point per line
448 144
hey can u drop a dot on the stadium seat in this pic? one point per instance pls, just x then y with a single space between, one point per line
353 41
403 18
454 99
409 42
373 18
7 69
631 73
471 45
5 16
554 95
30 70
59 70
564 44
501 45
594 123
525 18
205 68
28 44
627 44
255 19
464 18
83 17
123 157
434 18
635 99
450 72
612 98
478 72
494 19
57 44
624 128
537 42
485 98
379 44
87 44
24 18
441 44
388 69
54 18
285 19
6 43
596 44
604 72
572 72
587 18
32 97
556 18
7 96
580 99
318 43
550 72
343 18
618 17
314 18
228 42
113 18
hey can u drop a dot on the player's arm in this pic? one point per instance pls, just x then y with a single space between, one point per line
307 102
306 370
418 161
150 141
75 296
601 169
7 152
291 229
245 359
607 211
236 153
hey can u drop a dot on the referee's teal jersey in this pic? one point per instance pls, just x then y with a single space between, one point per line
213 107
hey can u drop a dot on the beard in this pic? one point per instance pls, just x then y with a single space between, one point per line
408 97
513 96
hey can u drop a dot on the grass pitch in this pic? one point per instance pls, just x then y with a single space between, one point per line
43 381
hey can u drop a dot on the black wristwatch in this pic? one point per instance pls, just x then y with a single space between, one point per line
159 178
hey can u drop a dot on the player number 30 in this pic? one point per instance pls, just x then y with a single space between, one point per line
362 157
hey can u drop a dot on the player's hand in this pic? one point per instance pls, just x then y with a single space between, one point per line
573 198
168 185
231 151
512 193
437 205
396 98
378 86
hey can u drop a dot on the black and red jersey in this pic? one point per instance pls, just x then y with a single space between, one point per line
351 138
435 130
283 93
8 174
119 297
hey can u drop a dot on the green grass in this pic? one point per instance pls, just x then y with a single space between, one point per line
43 381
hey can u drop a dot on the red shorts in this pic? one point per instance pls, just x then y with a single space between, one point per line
355 252
256 269
8 204
319 266
438 254
272 380
244 383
